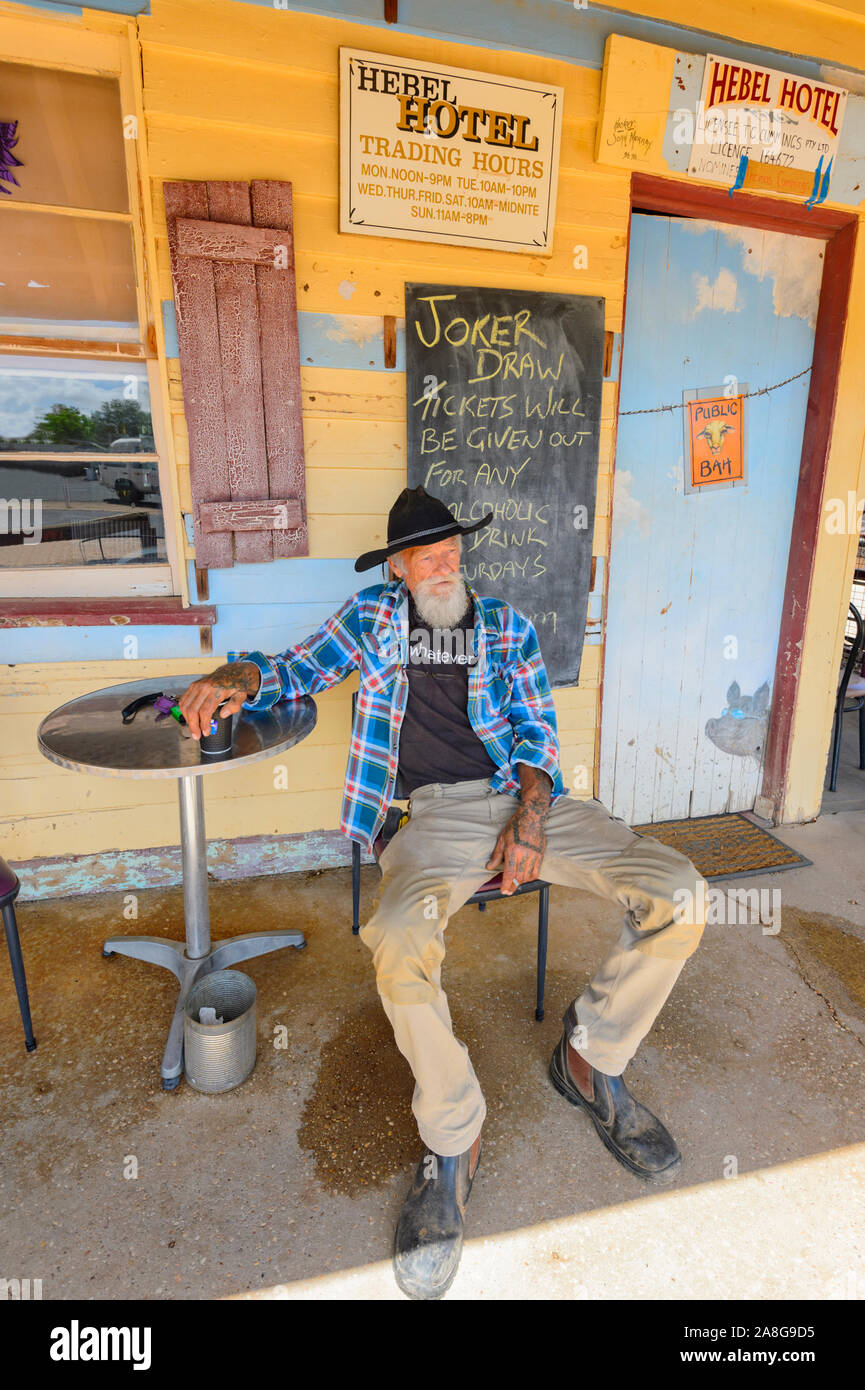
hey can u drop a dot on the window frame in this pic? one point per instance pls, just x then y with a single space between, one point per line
107 49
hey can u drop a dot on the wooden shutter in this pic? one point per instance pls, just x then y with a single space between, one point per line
232 263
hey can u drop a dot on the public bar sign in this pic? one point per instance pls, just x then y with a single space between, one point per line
758 128
714 440
435 153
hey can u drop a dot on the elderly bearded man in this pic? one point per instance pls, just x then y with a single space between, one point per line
475 748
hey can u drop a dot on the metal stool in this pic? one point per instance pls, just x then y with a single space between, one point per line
9 889
847 703
489 892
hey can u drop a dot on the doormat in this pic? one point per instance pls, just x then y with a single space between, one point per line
727 846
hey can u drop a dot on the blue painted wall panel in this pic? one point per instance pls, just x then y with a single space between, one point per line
169 324
309 592
297 581
56 6
263 630
552 28
130 7
37 644
354 342
686 85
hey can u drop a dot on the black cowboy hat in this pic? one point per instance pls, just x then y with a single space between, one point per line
417 518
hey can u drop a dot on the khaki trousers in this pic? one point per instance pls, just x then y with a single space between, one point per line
435 863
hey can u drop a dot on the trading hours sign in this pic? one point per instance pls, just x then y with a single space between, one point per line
440 154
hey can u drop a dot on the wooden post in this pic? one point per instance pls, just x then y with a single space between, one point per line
608 353
389 340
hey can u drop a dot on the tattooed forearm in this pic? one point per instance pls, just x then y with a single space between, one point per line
521 846
528 822
238 675
529 831
535 788
529 827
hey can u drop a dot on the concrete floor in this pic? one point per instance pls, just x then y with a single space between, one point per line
289 1186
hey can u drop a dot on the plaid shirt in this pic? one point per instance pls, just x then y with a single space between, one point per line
510 706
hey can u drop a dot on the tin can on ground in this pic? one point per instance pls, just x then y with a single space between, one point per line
220 1056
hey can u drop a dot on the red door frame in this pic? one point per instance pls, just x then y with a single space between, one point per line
838 230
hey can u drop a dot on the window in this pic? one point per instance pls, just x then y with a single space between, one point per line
80 502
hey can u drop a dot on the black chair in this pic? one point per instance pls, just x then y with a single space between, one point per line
9 889
489 892
845 705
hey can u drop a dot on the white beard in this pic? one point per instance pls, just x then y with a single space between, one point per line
441 609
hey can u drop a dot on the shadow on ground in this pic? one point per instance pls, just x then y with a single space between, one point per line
757 1057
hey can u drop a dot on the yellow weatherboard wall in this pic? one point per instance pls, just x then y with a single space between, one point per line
635 102
831 31
241 91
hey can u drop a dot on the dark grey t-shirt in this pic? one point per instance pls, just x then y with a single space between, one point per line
436 742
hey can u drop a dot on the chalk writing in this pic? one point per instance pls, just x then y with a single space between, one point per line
503 414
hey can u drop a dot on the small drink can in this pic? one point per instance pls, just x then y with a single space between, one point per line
218 737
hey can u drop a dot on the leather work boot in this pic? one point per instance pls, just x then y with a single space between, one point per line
629 1130
429 1233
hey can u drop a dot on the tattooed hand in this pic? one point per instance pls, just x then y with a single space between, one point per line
522 844
235 682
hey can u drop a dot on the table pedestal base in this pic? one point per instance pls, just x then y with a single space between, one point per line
172 955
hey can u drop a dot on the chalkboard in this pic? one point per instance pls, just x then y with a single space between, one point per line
503 415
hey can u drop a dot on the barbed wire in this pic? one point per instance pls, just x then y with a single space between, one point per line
763 391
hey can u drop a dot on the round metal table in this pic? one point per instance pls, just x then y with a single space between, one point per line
88 735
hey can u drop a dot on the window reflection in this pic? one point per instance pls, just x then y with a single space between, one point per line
79 482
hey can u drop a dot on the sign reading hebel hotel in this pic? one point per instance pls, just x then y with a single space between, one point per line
769 129
435 153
